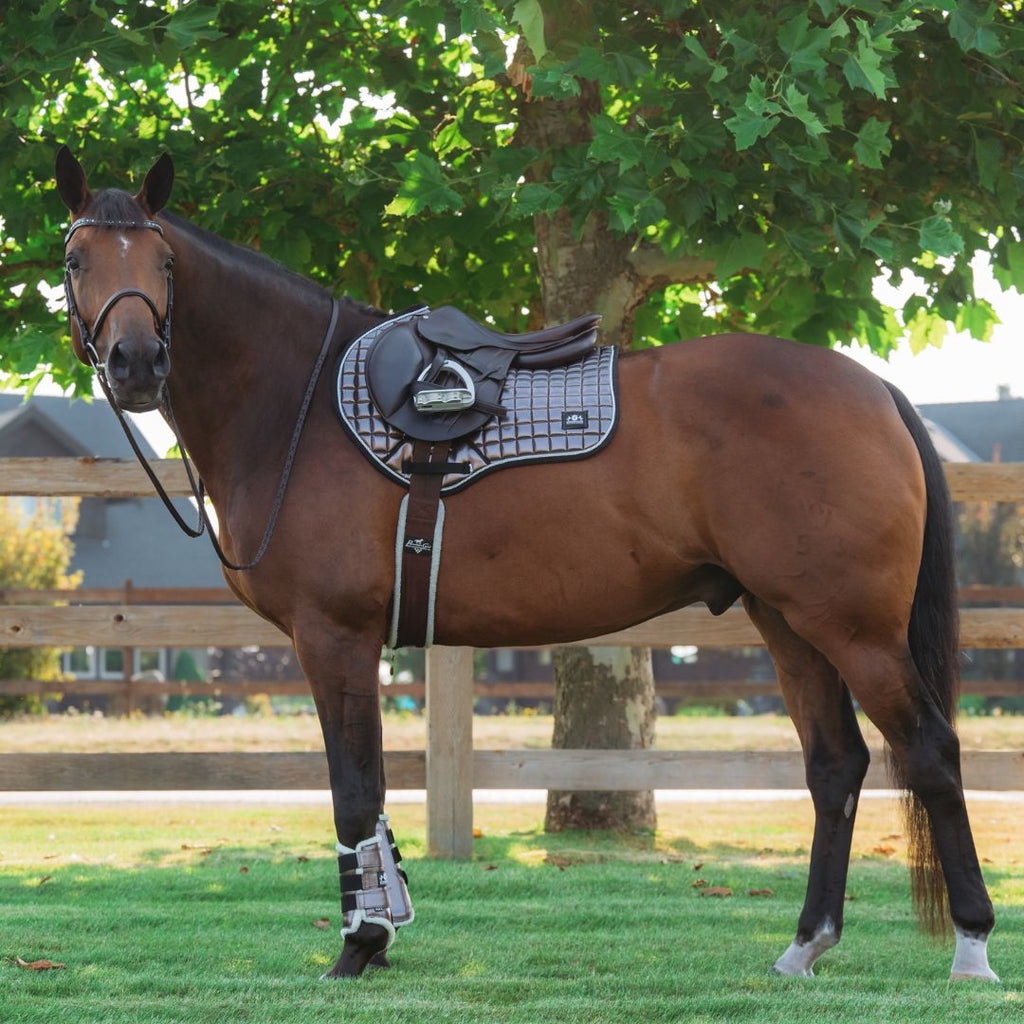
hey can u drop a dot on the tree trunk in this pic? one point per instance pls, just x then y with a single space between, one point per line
604 699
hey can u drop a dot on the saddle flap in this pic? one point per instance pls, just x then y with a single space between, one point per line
394 365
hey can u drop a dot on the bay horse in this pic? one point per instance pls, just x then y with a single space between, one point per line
743 467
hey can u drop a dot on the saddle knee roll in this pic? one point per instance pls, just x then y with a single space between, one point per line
374 889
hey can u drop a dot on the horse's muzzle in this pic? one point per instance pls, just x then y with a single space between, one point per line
137 370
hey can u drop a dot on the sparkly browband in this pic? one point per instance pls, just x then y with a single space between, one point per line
95 222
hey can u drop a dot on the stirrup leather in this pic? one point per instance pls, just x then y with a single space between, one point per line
374 888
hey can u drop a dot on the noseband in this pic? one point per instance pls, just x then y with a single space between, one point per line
163 327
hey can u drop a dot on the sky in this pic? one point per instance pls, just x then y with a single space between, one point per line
962 370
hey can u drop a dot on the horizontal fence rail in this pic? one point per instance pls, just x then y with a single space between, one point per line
449 768
124 478
491 769
226 626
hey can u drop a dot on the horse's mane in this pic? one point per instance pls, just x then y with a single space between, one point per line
115 204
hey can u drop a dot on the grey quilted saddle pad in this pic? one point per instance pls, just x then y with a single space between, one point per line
568 412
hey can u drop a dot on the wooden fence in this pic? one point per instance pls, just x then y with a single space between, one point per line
449 768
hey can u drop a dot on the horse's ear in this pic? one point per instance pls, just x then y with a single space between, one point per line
156 189
71 182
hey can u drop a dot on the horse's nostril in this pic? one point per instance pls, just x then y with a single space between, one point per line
118 363
162 363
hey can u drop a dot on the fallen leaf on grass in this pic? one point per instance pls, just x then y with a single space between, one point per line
895 835
38 965
490 867
243 870
885 851
697 867
45 879
302 860
699 884
721 891
478 833
321 923
767 893
561 861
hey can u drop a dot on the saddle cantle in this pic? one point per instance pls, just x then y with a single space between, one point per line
438 375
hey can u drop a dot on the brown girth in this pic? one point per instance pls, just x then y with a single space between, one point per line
427 470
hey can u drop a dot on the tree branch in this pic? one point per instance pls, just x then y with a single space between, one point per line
655 269
10 269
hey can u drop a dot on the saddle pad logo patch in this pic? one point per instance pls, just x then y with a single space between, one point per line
419 545
575 420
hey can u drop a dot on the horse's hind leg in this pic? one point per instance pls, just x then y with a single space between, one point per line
836 761
342 673
926 753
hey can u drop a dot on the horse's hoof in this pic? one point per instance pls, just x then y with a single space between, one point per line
780 973
988 975
366 947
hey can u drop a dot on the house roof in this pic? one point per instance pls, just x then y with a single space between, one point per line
981 426
117 538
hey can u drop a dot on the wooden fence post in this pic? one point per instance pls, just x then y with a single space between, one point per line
450 752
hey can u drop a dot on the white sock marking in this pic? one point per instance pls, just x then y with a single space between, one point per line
971 958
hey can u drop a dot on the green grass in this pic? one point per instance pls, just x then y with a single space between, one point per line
156 921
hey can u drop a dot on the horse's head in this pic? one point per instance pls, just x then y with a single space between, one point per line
118 281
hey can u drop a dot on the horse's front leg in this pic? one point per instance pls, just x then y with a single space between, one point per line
342 672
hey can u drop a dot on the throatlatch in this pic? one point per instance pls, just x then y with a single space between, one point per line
374 888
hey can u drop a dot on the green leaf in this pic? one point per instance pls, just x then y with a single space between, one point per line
756 119
802 44
873 143
534 198
743 253
423 188
747 127
936 235
978 318
988 154
863 69
926 328
193 22
613 144
972 28
530 17
800 109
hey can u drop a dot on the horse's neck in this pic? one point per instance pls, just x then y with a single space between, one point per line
244 341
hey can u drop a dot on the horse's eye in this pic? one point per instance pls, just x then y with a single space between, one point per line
169 263
71 262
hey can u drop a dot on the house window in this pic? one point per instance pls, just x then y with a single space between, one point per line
111 663
80 662
151 660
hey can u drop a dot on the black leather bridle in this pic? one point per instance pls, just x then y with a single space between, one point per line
163 327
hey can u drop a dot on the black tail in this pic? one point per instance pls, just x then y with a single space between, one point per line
934 644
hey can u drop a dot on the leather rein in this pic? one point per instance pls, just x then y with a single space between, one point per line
163 328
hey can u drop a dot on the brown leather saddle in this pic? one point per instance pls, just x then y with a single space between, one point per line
439 376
